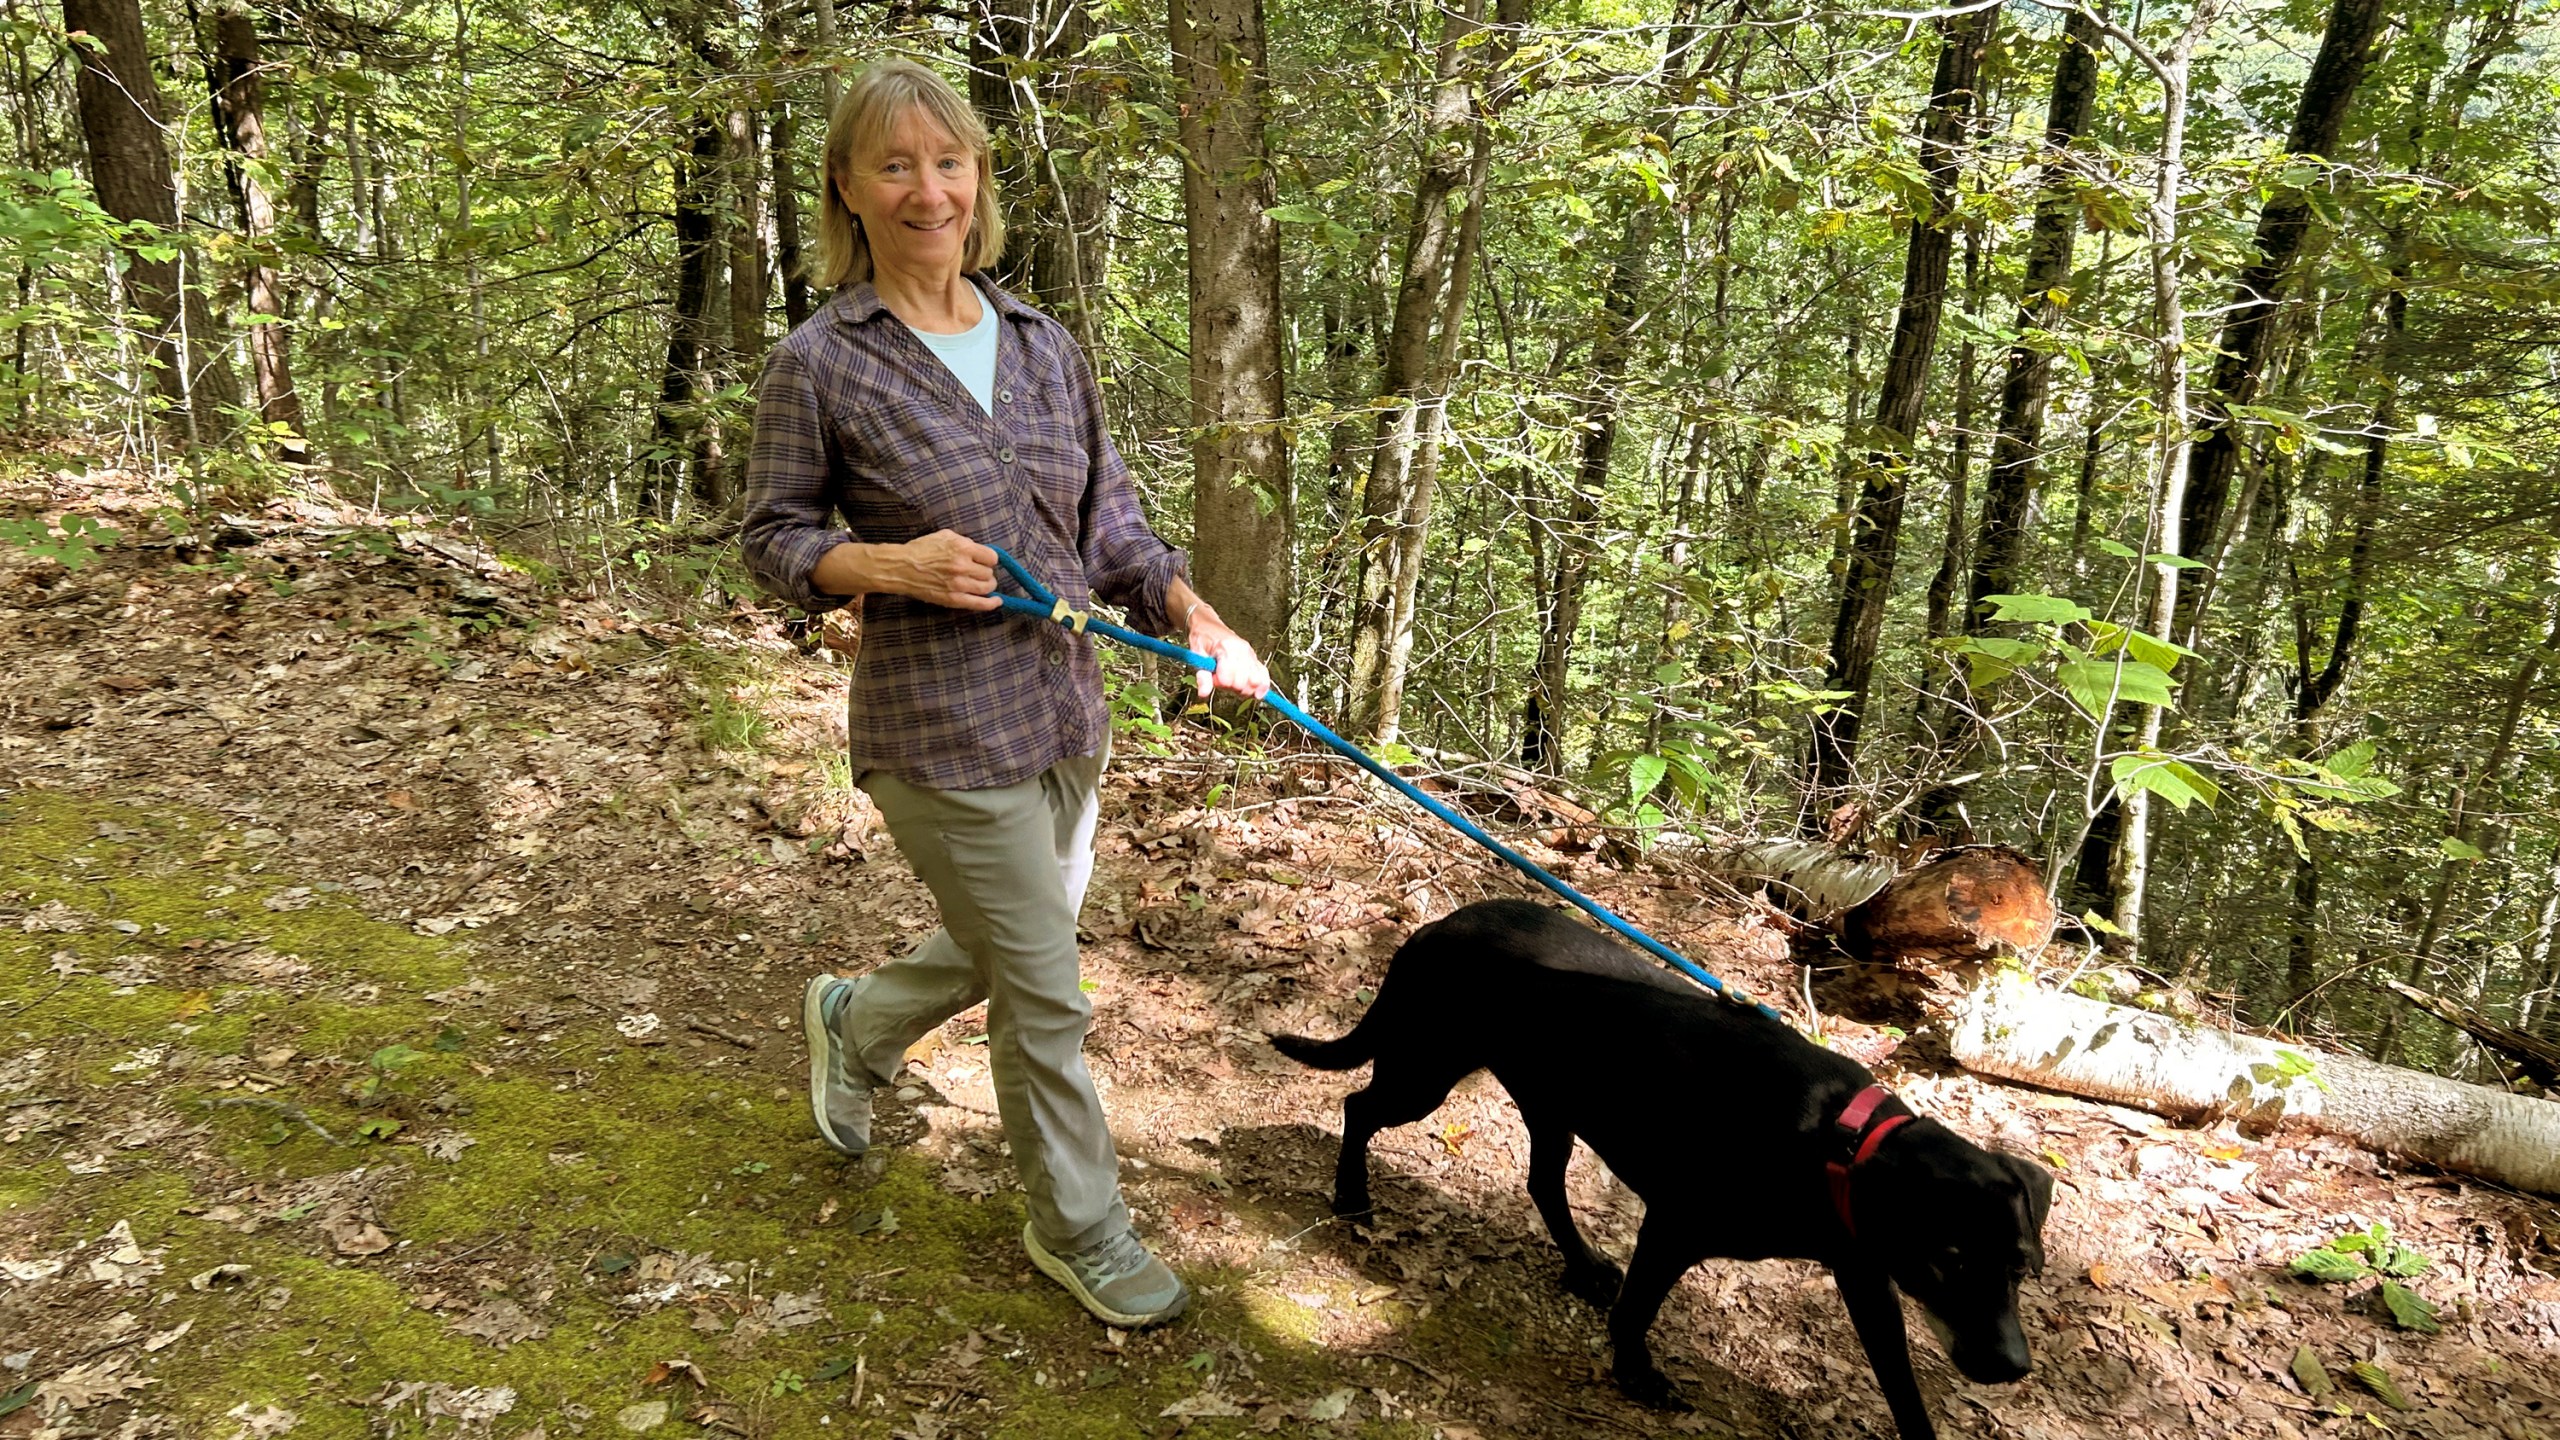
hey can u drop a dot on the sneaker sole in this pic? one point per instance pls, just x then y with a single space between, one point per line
813 1028
1056 1269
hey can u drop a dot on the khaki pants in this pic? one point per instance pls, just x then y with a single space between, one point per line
1007 866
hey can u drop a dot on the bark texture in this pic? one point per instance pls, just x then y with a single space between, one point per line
120 118
2248 327
1241 508
1875 532
1962 904
2195 1073
240 115
1418 364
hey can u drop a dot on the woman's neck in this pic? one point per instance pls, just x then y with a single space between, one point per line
937 304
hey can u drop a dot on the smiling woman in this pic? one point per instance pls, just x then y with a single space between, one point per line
934 415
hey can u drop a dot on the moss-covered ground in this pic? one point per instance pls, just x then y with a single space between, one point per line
570 1191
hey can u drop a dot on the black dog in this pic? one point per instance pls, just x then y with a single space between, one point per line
1743 1138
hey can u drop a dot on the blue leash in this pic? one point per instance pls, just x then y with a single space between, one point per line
1049 607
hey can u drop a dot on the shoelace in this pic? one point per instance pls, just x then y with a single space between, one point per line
1110 1259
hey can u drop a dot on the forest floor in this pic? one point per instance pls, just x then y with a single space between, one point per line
399 961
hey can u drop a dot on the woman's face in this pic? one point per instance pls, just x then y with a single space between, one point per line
915 197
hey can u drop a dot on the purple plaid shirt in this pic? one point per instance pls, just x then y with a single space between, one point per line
855 417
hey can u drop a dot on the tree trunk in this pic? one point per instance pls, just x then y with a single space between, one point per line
1419 362
1876 524
2195 1073
1963 904
238 80
681 428
1243 553
2328 92
750 290
1544 713
120 108
2008 495
2538 1058
783 134
2131 865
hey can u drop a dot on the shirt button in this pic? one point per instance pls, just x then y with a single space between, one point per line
1004 397
1056 658
1005 454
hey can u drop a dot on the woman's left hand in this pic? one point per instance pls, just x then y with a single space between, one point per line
1239 669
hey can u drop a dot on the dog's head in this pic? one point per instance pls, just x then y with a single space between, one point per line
1958 1227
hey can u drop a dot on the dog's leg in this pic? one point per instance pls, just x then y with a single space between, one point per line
1587 1272
1664 1252
1398 1093
1875 1307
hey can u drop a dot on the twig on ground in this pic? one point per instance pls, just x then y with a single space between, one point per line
289 1112
705 1027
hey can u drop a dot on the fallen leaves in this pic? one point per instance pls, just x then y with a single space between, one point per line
355 1234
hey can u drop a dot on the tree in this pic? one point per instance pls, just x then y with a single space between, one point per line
2248 325
1242 513
1418 363
1890 441
238 79
120 110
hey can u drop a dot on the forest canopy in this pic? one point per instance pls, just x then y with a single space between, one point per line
2126 434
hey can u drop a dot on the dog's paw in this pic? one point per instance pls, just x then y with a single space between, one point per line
1652 1389
1596 1283
1354 1207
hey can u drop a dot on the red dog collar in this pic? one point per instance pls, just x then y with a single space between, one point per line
1860 1133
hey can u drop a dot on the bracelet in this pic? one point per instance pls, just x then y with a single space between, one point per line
1194 608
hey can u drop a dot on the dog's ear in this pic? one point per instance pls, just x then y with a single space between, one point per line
2039 1183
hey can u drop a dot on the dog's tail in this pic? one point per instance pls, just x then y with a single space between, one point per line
1351 1050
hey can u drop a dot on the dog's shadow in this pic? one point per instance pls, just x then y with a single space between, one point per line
1483 1285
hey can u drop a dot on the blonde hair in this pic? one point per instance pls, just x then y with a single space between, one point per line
872 106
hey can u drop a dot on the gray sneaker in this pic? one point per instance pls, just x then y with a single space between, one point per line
1117 1279
839 1089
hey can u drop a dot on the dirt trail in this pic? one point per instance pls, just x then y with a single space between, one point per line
398 961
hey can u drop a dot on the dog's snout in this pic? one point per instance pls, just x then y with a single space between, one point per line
1997 1358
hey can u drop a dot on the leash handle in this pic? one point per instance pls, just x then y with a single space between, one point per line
1047 606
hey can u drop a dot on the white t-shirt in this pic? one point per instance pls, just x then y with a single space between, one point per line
970 355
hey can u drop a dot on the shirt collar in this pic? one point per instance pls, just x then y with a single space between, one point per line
858 304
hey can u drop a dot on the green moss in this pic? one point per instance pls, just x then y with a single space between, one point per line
644 1154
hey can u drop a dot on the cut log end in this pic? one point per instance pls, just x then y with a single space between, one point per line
1963 905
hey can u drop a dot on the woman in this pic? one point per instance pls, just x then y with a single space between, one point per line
933 412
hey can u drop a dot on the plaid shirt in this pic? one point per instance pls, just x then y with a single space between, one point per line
855 417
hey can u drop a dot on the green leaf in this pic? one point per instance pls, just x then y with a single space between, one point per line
2352 762
2036 609
1643 773
2175 781
2131 682
2099 923
2174 562
2456 848
17 1399
2310 1374
1296 214
2409 1309
2323 1263
378 1129
1670 671
2117 548
2378 1380
392 1057
831 1367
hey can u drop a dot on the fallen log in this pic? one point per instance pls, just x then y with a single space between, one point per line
1963 904
2009 1028
2539 1058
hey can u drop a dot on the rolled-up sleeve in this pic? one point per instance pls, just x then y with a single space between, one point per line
789 498
1126 563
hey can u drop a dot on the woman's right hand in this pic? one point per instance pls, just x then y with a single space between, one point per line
947 568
